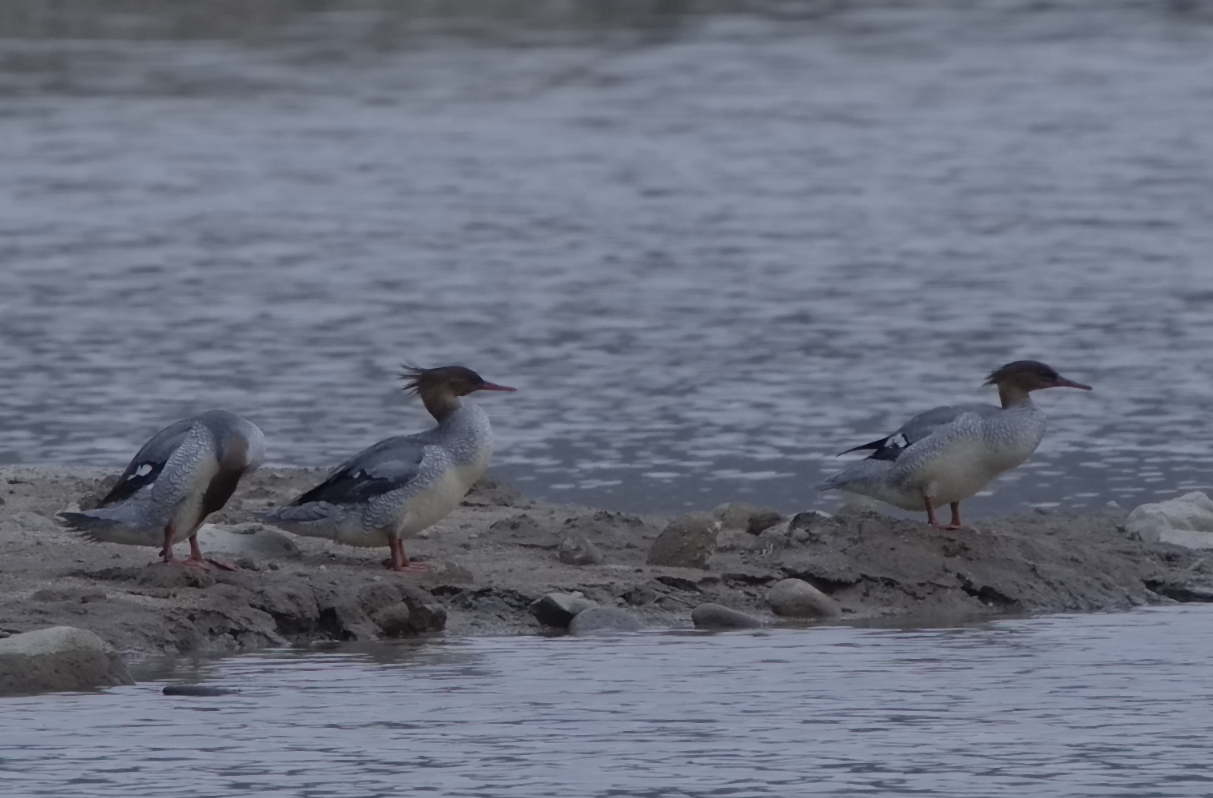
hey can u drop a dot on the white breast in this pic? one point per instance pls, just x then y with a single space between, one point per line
441 498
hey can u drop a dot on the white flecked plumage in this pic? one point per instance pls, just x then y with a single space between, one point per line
183 473
948 454
393 490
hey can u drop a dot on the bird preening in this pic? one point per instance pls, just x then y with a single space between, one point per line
187 471
396 488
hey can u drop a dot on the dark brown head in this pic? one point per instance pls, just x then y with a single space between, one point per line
1016 380
440 388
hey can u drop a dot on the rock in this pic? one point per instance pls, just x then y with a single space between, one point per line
172 575
715 616
196 690
576 549
490 492
607 530
686 542
256 541
762 521
57 659
640 595
394 621
559 609
747 517
795 598
604 621
1184 521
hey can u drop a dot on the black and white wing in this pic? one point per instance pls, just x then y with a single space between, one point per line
148 462
388 465
916 429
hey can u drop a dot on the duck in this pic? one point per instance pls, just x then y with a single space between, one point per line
393 490
185 472
948 454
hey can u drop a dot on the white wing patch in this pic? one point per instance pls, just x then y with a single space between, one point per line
141 471
897 441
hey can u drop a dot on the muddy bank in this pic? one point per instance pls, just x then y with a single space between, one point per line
501 551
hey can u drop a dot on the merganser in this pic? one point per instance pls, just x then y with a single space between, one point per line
187 471
947 454
402 485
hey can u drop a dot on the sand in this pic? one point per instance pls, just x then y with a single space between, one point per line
499 552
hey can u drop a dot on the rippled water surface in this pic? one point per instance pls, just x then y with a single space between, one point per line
1043 707
711 249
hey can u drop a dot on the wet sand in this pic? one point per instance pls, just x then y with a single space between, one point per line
499 552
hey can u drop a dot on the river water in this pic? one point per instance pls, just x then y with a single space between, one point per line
1096 705
713 243
711 249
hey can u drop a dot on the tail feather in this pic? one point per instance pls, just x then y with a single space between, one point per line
102 526
873 446
863 474
314 519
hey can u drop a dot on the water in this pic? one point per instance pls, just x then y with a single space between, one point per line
1043 707
711 249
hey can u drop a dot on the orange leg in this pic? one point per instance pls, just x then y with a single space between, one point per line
196 557
166 553
931 519
400 560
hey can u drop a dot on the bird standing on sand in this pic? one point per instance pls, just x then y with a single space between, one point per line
402 485
947 454
187 471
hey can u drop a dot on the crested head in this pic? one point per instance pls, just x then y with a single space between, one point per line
1016 380
440 388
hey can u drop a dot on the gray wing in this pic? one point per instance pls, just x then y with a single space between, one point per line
188 470
148 462
384 467
918 428
965 424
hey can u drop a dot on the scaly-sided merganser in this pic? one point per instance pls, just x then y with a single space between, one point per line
947 454
187 471
402 485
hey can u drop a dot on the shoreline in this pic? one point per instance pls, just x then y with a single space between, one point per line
501 551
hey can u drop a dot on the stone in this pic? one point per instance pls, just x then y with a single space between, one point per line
687 542
604 621
762 521
576 549
559 609
58 659
796 598
490 492
256 541
1183 521
640 595
746 517
394 621
716 616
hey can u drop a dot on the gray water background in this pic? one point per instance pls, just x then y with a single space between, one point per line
1094 705
713 244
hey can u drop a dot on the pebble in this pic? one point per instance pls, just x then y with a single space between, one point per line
559 609
394 621
716 616
604 621
687 542
576 549
796 598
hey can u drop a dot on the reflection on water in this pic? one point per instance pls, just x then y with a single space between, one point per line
1041 707
710 258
